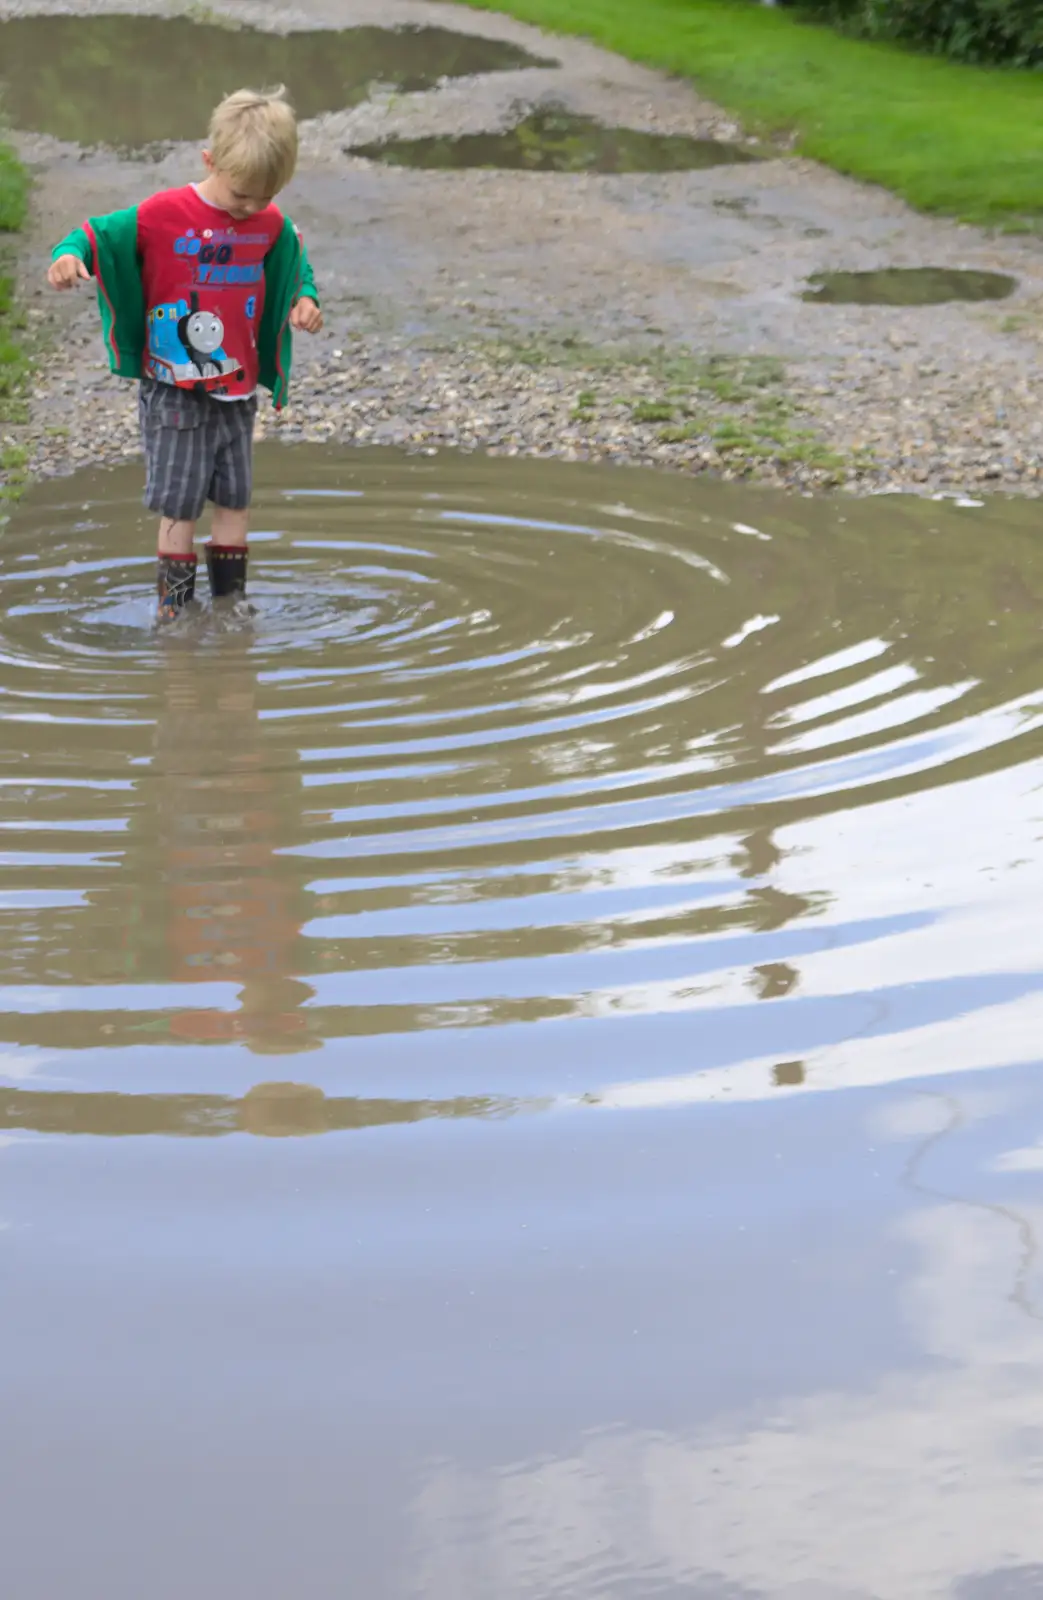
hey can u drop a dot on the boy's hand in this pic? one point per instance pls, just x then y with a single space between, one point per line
66 272
306 316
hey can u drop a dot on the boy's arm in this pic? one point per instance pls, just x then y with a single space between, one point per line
77 243
308 289
306 315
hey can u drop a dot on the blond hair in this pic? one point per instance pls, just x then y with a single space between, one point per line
253 138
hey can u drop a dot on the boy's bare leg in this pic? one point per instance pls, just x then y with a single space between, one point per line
176 577
226 552
175 538
229 527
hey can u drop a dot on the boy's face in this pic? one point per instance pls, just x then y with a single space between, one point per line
233 195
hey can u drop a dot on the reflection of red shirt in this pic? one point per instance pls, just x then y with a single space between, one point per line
203 274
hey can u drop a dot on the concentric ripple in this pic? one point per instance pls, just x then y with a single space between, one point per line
731 794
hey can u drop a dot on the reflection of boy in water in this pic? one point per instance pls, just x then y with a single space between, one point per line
228 901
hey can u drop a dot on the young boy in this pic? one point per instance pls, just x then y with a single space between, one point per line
198 290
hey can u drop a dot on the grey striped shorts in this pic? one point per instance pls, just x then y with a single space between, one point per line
196 449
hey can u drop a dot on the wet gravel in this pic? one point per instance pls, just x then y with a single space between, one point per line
652 319
424 400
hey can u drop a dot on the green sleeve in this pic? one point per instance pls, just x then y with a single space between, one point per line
76 243
307 276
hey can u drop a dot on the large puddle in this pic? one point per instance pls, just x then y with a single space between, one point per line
551 140
519 1066
131 81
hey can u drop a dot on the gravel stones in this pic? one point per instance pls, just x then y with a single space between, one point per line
669 411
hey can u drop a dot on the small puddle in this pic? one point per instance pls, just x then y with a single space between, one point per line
558 141
637 880
133 81
907 286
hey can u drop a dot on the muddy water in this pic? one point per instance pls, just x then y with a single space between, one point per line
133 81
908 286
520 1065
555 140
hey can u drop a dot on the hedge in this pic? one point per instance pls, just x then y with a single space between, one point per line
1000 31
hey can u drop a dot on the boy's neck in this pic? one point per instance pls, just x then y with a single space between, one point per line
205 191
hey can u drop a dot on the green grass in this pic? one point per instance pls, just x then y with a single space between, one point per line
652 411
14 472
14 362
957 139
786 446
14 191
735 406
686 433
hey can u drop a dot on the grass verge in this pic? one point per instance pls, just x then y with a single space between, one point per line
14 362
967 141
14 191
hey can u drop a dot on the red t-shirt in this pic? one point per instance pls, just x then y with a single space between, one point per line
203 274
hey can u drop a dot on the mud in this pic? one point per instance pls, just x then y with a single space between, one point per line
908 286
